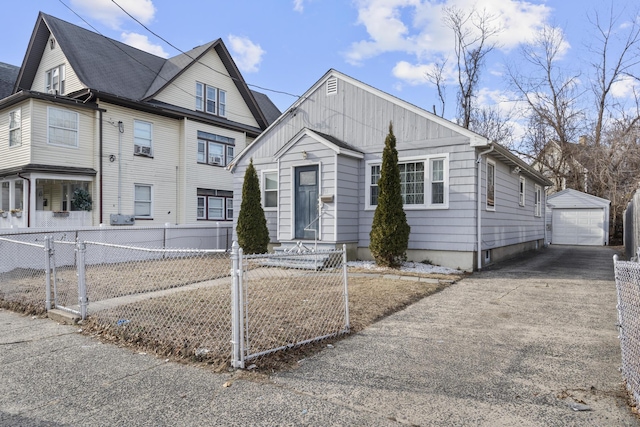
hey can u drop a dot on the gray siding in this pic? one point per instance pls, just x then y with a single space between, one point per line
360 118
510 223
347 198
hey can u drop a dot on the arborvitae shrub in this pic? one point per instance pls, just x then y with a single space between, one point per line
389 232
252 231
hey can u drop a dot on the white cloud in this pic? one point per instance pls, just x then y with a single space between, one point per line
624 87
111 15
142 42
416 74
298 5
416 27
247 54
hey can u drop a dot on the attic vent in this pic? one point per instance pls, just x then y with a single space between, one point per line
52 43
332 86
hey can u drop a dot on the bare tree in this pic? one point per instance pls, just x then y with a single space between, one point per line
494 125
437 77
474 35
611 61
554 109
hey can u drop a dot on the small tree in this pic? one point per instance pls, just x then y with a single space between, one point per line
253 234
389 231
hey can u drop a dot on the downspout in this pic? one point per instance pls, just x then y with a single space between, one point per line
120 132
479 213
100 163
28 199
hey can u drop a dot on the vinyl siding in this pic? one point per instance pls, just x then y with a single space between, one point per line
182 91
199 175
159 172
52 58
510 223
361 119
21 154
346 199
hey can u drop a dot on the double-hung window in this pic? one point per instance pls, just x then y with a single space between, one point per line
15 128
63 127
491 185
211 100
215 205
54 80
423 182
142 138
270 189
215 149
143 201
538 205
521 192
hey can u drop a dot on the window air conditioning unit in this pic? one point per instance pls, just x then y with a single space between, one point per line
52 91
142 150
215 160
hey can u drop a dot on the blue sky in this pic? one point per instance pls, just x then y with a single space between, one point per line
287 45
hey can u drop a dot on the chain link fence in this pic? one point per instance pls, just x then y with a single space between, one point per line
627 274
23 274
208 305
289 299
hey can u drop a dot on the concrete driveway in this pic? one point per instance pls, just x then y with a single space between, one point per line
516 345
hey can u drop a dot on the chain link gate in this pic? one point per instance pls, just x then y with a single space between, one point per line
284 300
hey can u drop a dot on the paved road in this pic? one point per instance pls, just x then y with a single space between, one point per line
515 346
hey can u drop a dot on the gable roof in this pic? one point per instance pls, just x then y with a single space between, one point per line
339 147
112 67
269 109
571 198
8 76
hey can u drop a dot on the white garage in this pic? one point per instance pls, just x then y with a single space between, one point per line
576 218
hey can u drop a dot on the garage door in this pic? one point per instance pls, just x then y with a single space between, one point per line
578 227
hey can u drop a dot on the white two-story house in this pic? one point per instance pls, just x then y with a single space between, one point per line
146 138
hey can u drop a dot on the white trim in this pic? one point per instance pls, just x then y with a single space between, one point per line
18 127
486 186
427 160
522 191
263 189
138 184
292 206
77 130
335 197
319 138
537 205
140 151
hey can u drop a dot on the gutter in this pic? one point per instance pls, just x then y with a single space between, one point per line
479 211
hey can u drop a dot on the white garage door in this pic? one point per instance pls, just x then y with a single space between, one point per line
578 227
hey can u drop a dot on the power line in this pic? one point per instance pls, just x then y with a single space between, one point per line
113 42
193 59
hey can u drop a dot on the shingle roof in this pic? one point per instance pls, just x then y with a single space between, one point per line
269 109
174 66
109 66
105 64
8 76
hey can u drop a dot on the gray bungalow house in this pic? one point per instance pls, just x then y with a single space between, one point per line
469 201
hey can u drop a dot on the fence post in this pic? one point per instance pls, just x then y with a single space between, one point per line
81 248
47 266
237 354
347 324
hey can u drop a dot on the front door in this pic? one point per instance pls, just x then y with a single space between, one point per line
306 209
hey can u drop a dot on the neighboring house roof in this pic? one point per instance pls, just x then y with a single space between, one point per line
8 76
109 66
269 109
571 198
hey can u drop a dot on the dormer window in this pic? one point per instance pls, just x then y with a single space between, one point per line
211 100
54 80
